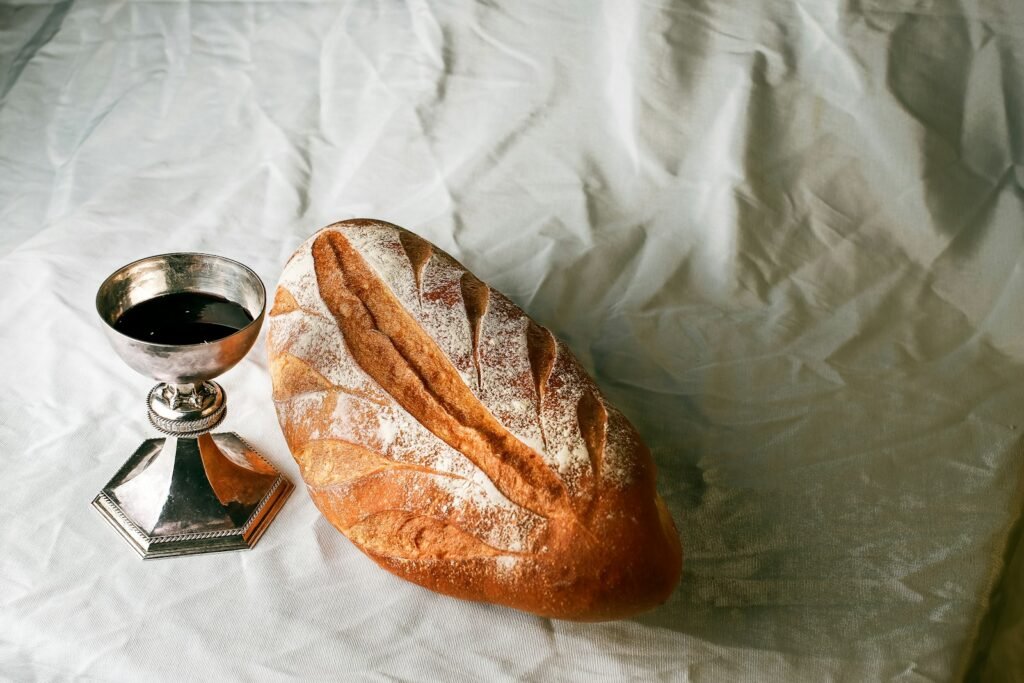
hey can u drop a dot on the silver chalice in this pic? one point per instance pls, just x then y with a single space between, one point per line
191 491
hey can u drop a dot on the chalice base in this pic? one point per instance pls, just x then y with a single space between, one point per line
188 495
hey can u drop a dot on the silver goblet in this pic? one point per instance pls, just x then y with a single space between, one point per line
192 491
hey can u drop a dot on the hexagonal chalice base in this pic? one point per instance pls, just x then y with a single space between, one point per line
186 495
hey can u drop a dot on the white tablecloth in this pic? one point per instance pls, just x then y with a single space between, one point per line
785 236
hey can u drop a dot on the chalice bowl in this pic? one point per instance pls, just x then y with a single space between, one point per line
183 319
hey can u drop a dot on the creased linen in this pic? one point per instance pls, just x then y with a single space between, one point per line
786 238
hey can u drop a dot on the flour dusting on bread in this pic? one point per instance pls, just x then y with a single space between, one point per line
437 304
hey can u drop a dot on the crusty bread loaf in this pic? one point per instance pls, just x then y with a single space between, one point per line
454 440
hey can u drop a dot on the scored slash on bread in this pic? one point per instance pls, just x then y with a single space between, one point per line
456 441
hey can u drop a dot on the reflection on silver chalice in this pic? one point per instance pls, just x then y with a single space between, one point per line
192 491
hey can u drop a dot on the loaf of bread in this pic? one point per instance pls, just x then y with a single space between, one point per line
454 440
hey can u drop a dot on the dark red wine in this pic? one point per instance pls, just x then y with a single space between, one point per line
183 318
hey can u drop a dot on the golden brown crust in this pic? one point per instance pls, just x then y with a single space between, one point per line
454 440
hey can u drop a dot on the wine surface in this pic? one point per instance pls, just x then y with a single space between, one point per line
183 318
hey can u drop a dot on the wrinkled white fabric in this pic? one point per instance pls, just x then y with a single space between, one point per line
785 236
